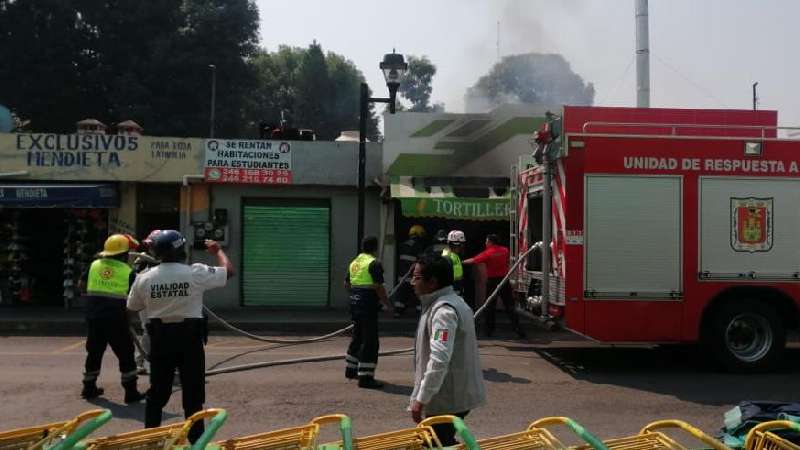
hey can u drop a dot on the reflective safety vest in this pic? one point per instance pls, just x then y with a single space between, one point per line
108 278
455 260
359 271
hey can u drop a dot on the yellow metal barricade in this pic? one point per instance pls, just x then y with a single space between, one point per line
760 437
303 437
536 437
56 436
541 434
652 438
162 438
295 438
461 429
419 438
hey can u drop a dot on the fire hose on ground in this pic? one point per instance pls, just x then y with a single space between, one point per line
242 367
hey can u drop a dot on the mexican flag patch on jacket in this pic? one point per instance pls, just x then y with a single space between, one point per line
440 335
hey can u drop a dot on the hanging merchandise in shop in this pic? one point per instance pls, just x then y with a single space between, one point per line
47 251
85 230
247 161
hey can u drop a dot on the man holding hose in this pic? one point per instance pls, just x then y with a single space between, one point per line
496 259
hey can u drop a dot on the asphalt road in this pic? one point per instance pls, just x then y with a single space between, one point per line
611 391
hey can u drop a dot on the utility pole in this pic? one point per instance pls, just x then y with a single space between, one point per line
498 41
642 55
755 96
213 99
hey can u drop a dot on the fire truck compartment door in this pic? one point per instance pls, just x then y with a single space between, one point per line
748 228
633 260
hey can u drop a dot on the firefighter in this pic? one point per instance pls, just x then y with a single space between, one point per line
409 250
143 262
364 279
455 247
107 283
172 296
496 259
439 244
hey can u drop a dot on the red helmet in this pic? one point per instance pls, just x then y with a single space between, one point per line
133 244
147 243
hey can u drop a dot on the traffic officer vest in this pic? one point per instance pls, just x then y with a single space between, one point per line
359 271
455 260
108 278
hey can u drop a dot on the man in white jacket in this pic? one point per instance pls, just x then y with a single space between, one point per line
447 377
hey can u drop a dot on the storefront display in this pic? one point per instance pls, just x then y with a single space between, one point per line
48 250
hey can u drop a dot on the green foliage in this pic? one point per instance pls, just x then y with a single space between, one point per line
314 90
120 59
416 85
544 79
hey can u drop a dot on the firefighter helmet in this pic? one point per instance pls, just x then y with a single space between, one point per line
147 243
116 244
456 237
416 231
133 244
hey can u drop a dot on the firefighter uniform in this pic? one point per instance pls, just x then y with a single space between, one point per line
362 354
107 285
408 250
458 270
172 296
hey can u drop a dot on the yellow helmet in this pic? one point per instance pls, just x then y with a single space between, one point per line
416 230
115 244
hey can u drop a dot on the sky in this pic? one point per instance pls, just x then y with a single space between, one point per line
703 53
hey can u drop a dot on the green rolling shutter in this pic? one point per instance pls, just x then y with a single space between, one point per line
286 254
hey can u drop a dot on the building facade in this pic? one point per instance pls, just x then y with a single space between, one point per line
62 195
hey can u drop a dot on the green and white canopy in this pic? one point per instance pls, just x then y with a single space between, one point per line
419 200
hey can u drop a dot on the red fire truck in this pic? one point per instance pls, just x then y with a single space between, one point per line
664 226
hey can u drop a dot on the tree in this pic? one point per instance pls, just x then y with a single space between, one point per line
219 32
543 79
416 85
43 45
312 89
116 60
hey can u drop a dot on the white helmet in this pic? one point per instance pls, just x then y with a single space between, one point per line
456 237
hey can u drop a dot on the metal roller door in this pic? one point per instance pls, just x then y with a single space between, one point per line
633 236
286 253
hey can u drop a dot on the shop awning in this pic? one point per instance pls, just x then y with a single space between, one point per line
441 202
59 196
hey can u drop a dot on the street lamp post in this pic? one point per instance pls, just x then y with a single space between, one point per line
213 98
393 67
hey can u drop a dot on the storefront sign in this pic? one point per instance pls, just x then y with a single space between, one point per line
456 208
59 196
99 156
251 162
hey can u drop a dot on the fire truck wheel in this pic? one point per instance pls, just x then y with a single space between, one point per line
747 335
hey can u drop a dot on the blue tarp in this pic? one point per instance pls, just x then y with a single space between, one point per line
59 196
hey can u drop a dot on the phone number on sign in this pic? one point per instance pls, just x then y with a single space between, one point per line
254 176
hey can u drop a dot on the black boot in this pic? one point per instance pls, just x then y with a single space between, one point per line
520 333
132 395
368 382
90 390
351 373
